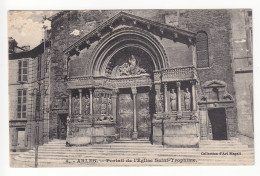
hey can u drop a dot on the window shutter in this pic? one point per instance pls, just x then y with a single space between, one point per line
202 50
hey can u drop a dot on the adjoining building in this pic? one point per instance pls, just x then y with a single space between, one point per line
167 76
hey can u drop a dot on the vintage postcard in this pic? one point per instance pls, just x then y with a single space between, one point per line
131 88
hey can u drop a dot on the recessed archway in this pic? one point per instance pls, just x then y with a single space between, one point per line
120 41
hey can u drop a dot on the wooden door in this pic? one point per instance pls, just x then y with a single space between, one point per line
125 115
143 115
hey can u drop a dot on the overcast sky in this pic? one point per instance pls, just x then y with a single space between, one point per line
26 26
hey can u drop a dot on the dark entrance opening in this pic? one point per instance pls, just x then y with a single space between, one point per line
62 126
217 119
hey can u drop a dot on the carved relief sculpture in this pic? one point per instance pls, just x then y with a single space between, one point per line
187 97
96 104
159 102
173 100
64 103
104 104
130 68
109 105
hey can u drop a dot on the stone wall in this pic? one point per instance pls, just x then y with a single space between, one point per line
243 73
216 23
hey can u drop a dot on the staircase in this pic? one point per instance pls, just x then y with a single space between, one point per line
137 153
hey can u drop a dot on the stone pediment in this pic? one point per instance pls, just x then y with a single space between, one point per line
214 83
215 91
126 19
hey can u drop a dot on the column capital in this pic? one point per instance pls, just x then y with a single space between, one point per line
115 91
178 83
193 82
134 90
80 90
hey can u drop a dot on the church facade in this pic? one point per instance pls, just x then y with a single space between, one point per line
164 76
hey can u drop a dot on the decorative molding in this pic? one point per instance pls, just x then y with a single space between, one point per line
141 35
135 19
215 92
143 80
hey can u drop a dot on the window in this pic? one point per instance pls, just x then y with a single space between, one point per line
202 50
21 104
39 67
23 71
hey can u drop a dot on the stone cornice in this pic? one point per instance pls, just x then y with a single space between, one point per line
122 16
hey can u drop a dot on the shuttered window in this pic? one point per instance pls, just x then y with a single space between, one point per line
23 71
21 104
202 50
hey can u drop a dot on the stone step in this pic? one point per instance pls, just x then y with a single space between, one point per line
56 153
150 147
133 141
120 155
137 150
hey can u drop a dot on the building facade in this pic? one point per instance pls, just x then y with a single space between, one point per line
28 77
166 76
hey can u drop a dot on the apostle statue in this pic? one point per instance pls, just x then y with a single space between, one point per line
104 104
76 105
173 100
109 105
87 104
187 97
159 102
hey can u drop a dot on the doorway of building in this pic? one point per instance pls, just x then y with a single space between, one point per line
125 114
62 126
21 137
125 120
218 123
143 113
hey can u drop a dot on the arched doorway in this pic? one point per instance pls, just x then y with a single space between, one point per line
134 107
125 56
129 41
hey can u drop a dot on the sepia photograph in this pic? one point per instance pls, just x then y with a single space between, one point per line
130 87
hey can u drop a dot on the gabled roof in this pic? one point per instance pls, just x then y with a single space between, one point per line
122 18
31 53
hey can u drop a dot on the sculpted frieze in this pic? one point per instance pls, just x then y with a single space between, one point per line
134 77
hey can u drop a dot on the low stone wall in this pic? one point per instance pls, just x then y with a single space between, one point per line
81 134
176 133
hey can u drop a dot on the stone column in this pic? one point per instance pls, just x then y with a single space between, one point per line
90 101
80 101
113 101
134 92
165 98
70 103
179 99
193 91
158 95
